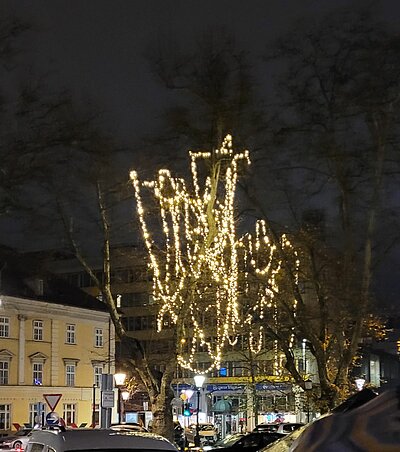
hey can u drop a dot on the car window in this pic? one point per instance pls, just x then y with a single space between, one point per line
267 428
291 427
36 447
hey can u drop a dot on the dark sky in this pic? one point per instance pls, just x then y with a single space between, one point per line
96 47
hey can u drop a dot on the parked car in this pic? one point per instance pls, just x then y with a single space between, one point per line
284 427
17 440
100 440
207 432
248 442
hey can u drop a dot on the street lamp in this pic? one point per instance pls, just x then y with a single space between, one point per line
94 406
125 394
360 382
119 381
308 388
198 381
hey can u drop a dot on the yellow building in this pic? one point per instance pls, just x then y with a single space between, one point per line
49 349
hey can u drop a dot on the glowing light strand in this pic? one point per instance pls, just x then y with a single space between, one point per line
196 278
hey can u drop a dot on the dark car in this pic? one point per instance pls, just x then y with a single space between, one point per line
250 442
179 436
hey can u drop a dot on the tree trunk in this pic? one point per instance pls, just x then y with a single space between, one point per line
162 413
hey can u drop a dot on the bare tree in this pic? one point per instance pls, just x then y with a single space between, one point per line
340 120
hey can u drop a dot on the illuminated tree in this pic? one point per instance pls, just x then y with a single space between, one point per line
201 267
196 281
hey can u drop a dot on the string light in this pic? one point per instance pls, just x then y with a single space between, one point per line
199 263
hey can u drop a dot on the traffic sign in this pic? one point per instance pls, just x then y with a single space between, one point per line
52 400
107 399
52 418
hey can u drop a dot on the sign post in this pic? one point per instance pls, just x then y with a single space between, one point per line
107 402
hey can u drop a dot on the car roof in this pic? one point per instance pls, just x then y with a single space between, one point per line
92 439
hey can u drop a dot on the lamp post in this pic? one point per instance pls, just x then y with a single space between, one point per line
308 388
119 381
125 394
94 406
198 381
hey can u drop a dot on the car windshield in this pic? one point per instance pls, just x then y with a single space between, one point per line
22 432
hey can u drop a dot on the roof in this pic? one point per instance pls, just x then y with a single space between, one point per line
21 276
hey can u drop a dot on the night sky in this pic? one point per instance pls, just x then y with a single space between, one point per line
97 48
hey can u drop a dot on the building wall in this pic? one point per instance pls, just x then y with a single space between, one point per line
52 353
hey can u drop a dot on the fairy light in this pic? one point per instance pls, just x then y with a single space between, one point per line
198 262
261 257
199 247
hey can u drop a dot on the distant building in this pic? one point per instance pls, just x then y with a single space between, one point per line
379 362
54 340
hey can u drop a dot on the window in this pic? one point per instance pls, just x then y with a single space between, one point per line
4 327
129 300
98 371
4 368
70 337
37 373
36 447
5 417
70 374
98 337
36 411
84 280
139 323
69 413
37 330
160 367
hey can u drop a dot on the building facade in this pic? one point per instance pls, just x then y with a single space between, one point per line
51 351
